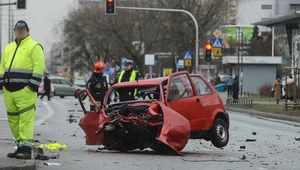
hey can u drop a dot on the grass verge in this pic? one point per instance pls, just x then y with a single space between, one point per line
272 108
257 97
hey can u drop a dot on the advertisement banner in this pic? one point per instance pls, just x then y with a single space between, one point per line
229 34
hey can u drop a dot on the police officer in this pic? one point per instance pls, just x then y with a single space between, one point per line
127 75
21 70
97 85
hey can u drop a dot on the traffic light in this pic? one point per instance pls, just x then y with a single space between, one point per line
21 4
110 7
208 49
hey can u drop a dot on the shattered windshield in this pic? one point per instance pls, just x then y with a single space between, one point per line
118 95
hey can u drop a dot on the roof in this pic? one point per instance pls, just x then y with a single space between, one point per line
147 82
279 19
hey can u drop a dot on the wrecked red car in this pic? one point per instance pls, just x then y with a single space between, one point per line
161 114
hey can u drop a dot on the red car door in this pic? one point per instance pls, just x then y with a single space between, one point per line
183 98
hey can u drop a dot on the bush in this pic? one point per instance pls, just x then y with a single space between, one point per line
265 90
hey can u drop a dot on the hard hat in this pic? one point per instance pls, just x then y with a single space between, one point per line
99 66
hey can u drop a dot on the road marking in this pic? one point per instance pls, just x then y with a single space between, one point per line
3 119
50 113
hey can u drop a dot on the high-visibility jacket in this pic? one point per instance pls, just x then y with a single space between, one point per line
22 64
133 77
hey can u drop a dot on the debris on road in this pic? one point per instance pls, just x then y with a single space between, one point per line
52 164
243 147
253 133
243 157
297 138
250 140
54 146
73 135
37 134
71 118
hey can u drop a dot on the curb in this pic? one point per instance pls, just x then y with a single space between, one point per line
28 165
265 114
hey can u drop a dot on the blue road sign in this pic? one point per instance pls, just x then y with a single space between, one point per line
180 63
217 42
188 55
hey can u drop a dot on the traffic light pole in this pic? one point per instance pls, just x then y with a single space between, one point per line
174 10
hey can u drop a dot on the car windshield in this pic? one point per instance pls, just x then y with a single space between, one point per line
141 93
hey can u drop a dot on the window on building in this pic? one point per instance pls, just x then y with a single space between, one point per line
266 6
295 7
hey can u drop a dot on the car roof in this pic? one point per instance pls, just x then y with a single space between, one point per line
147 82
56 78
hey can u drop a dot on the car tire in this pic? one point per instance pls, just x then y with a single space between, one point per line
219 133
62 97
75 95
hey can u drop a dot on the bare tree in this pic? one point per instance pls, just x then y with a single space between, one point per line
92 36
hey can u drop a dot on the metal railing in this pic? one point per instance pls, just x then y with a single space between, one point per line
240 102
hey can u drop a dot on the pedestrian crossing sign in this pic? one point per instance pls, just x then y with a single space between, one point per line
188 55
217 42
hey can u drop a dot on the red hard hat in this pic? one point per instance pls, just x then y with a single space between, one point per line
99 66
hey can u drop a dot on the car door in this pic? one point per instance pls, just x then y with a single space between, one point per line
207 99
57 86
67 87
187 102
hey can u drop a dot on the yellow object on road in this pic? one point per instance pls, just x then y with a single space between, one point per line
54 146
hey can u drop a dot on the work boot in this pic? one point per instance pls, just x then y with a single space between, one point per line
14 155
23 155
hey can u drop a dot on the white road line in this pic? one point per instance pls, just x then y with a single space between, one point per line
3 119
50 113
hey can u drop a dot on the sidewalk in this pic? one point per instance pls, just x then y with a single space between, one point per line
13 164
6 146
253 112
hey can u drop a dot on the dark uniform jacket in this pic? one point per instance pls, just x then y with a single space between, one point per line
97 86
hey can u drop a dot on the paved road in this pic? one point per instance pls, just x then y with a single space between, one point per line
275 147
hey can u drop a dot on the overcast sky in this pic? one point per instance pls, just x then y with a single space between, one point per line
42 16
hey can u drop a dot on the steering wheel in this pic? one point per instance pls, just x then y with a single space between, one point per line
149 96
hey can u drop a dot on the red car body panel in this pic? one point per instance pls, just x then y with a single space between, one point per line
180 117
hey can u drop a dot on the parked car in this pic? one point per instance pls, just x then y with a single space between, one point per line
42 91
80 81
64 87
165 113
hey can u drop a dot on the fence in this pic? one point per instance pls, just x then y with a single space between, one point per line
240 102
292 88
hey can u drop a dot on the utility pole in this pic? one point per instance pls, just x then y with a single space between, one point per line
9 23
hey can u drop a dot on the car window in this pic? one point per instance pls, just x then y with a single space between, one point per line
201 86
65 82
55 81
143 93
180 87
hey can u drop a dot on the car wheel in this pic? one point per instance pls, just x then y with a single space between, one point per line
76 93
62 96
220 133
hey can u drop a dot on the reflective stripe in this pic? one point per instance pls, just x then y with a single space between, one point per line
34 82
37 76
15 80
21 111
18 70
1 76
